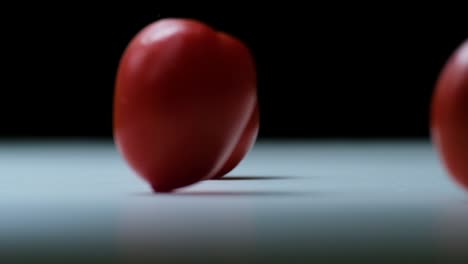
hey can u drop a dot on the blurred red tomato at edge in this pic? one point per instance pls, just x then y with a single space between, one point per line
184 94
449 119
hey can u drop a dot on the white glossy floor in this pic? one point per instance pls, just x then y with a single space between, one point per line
288 202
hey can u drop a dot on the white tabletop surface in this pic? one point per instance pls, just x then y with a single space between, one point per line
287 202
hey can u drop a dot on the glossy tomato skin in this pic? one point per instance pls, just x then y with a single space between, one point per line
450 115
183 95
245 144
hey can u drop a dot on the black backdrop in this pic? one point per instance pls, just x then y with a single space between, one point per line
321 73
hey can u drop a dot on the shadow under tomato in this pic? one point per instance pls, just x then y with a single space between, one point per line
210 193
254 178
244 193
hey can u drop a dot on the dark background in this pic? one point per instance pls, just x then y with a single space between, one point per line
322 73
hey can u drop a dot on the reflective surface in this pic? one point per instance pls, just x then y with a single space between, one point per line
358 202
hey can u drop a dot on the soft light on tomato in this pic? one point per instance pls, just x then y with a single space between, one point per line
183 95
244 145
450 115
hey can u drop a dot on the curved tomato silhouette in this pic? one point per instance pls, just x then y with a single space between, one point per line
183 96
450 115
244 145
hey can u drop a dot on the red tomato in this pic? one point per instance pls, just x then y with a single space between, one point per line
450 115
184 94
245 144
